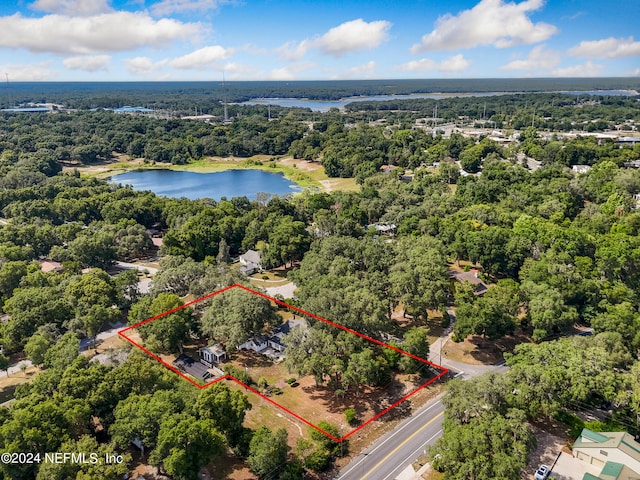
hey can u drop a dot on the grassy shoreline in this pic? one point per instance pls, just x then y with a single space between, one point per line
310 176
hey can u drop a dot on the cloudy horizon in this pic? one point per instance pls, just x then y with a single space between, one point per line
182 40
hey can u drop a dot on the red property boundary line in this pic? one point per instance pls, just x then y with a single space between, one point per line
443 370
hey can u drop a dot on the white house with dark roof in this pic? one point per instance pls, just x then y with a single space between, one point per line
271 345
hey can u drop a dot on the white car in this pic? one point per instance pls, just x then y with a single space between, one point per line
542 473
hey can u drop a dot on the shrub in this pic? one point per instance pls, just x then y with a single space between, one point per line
319 460
262 382
351 416
291 380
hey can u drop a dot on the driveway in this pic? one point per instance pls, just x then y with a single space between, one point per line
285 290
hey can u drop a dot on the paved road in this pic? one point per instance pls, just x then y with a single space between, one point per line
136 266
392 453
399 448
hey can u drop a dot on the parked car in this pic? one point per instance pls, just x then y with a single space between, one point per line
542 473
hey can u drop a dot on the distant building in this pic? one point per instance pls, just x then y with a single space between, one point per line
384 228
27 110
480 288
581 168
130 109
632 164
50 266
387 168
628 140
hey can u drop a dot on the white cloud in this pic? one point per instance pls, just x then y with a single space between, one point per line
237 71
34 72
88 63
538 58
108 32
291 51
290 72
76 8
455 63
490 22
143 65
166 7
607 48
202 58
351 36
588 69
365 70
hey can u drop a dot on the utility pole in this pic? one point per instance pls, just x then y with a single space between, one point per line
224 96
9 99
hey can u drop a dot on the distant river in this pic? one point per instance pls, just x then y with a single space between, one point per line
325 105
215 185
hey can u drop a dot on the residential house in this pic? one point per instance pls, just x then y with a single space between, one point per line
50 266
257 343
212 354
384 228
251 262
479 287
616 452
581 168
272 345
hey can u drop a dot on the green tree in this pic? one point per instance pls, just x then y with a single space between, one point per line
235 315
225 407
141 416
419 278
168 332
4 364
63 352
36 348
267 451
185 445
493 315
416 342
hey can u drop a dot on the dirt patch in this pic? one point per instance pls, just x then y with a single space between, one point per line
318 402
551 438
304 165
8 384
475 350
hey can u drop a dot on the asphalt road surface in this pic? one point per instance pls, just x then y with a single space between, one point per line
394 451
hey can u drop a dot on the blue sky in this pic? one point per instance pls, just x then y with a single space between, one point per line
130 40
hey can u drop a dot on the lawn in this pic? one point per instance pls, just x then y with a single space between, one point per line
8 384
315 403
475 350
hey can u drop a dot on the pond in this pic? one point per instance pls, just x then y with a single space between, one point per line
215 185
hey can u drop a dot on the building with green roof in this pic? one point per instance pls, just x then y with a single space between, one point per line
616 452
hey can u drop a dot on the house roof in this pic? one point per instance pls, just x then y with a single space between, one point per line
49 265
260 338
620 440
472 277
216 349
612 469
251 256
